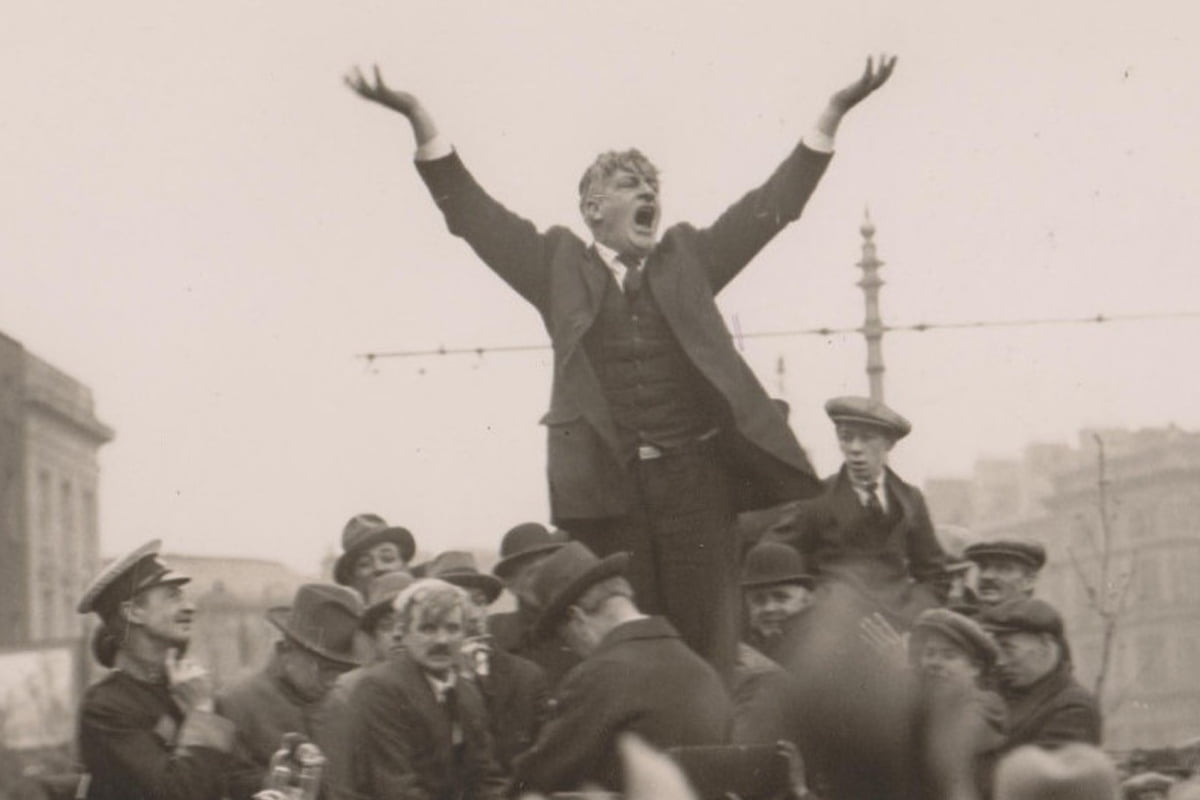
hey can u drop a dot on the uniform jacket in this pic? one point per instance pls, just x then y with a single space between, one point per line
1054 711
264 707
136 744
405 738
833 531
641 678
564 278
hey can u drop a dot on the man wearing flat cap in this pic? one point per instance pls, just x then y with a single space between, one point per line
637 676
287 695
870 530
148 730
1046 705
515 690
370 548
1007 569
522 548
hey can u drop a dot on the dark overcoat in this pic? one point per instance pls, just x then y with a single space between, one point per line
264 707
642 679
564 278
1054 711
516 695
405 738
893 566
136 744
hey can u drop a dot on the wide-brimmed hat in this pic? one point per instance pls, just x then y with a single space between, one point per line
772 564
381 591
564 576
965 632
1026 551
1073 772
457 567
364 531
523 544
322 619
865 411
126 577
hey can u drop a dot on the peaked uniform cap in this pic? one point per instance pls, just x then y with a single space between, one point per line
523 544
564 576
1026 551
774 563
865 411
963 631
126 577
457 567
322 619
363 532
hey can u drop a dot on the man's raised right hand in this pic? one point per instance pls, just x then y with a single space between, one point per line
379 92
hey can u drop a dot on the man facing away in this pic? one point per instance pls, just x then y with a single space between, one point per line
636 676
658 431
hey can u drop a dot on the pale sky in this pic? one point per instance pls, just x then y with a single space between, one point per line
201 223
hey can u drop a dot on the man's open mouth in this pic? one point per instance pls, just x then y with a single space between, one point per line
644 216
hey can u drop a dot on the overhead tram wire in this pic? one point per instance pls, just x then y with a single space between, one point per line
919 327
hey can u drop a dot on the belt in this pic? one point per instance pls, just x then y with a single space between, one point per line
649 452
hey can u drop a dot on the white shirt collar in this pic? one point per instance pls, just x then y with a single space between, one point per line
611 260
440 686
880 491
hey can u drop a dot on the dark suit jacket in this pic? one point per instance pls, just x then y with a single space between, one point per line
516 695
641 678
136 744
564 279
1054 711
833 531
406 741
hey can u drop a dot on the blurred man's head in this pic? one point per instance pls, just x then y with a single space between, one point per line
581 597
947 647
1030 637
309 674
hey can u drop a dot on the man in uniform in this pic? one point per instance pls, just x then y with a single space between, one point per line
658 431
147 730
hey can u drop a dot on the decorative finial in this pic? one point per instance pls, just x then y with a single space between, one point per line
868 227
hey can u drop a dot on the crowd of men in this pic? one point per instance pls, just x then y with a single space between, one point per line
705 593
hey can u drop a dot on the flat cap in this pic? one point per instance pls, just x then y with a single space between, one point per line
963 631
865 411
1022 615
1023 550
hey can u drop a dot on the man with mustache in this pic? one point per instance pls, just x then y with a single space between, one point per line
1008 569
421 730
658 432
147 730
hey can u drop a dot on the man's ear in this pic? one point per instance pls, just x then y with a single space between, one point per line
590 208
133 612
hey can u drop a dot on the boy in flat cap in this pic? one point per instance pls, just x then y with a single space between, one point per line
1046 705
147 730
870 530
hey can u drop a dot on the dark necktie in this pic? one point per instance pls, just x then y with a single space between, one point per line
873 504
632 282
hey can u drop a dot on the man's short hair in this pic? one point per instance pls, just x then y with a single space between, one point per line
616 586
428 599
606 164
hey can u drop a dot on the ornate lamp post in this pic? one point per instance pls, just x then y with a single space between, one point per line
872 328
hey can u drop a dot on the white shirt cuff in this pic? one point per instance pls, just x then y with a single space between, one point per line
437 147
819 141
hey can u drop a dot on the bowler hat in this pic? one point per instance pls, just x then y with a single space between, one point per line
126 577
1026 551
458 567
363 532
963 631
1073 772
1022 615
381 591
523 544
322 619
865 411
564 576
773 563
